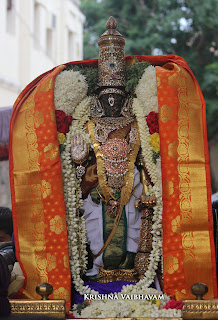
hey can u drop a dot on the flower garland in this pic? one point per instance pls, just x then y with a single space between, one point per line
71 102
70 89
154 170
75 222
146 90
144 105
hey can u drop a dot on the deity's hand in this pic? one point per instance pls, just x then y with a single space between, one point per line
79 149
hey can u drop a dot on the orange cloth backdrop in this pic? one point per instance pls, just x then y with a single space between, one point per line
188 247
37 189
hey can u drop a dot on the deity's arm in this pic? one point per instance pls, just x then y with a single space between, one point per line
144 176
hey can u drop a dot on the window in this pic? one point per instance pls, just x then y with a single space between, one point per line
78 51
53 21
9 4
70 45
10 17
37 25
49 42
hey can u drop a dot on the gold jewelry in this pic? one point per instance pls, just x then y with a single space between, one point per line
96 109
117 274
129 175
126 190
104 126
133 135
144 204
111 62
112 90
115 152
100 195
111 100
80 171
126 109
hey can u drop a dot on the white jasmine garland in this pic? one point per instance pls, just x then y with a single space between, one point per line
82 111
75 222
70 89
72 202
146 90
126 309
141 109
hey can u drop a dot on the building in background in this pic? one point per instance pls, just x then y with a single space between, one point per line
35 36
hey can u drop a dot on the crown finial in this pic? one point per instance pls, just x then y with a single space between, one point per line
111 23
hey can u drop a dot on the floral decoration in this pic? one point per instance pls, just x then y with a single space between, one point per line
166 113
46 189
176 224
155 142
51 151
61 294
171 264
63 122
39 118
51 262
173 304
70 89
40 245
57 224
152 122
146 91
61 138
36 190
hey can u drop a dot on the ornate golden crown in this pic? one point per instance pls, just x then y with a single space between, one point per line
111 63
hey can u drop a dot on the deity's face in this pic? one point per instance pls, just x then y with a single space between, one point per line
115 109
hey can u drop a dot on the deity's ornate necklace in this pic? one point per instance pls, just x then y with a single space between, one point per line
115 164
104 126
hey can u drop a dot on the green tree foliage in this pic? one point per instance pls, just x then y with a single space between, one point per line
188 28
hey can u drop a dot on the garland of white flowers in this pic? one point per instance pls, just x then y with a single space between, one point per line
75 222
73 199
70 89
146 101
142 106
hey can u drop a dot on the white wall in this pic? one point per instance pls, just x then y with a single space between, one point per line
35 36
